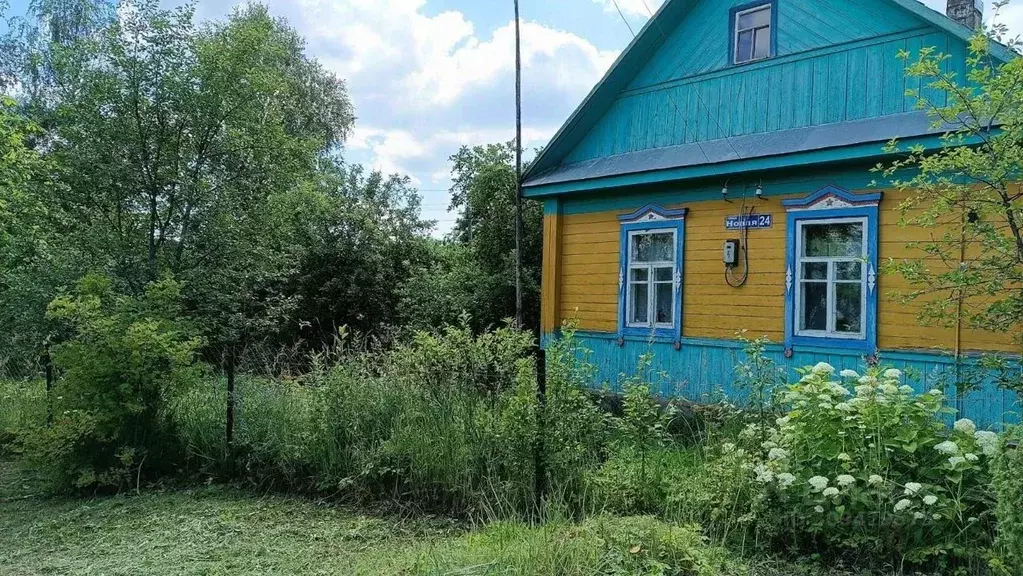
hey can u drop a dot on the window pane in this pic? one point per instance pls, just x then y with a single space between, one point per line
813 313
848 270
755 19
664 275
848 308
815 271
762 43
665 303
833 240
639 295
640 275
744 47
653 248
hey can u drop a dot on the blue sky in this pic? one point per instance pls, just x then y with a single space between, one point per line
427 76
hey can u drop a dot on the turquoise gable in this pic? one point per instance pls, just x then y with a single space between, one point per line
836 61
700 42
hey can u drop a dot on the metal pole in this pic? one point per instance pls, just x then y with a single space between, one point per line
518 170
230 401
539 468
48 370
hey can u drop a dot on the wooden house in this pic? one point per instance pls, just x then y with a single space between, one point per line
718 179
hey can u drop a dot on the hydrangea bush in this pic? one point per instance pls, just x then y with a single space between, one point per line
863 465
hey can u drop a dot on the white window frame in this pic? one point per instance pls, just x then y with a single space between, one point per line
831 281
651 282
736 31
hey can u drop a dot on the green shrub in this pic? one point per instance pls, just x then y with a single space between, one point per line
124 359
1008 484
863 467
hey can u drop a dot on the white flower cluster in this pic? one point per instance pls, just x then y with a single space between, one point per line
875 480
818 483
987 441
777 454
845 480
912 489
763 474
965 426
785 480
823 369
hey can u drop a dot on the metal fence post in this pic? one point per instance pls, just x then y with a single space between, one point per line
48 371
230 400
539 469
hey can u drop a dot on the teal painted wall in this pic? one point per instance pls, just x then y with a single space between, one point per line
836 62
704 371
700 43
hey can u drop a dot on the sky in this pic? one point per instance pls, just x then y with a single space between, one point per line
428 76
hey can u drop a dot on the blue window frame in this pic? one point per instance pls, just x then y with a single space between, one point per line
753 31
831 270
650 275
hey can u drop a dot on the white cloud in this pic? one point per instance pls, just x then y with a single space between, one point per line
558 58
424 85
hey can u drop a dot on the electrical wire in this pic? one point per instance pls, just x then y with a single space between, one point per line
743 215
744 219
667 93
699 98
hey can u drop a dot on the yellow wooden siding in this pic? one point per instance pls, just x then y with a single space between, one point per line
582 252
550 282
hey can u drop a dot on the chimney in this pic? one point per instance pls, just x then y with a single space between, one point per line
969 13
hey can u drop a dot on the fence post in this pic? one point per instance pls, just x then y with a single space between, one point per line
230 399
539 469
48 371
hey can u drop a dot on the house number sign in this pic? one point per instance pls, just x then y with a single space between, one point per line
749 221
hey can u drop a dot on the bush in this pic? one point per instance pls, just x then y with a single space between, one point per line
1008 484
124 359
863 467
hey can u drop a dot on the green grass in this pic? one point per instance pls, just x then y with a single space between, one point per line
209 531
218 530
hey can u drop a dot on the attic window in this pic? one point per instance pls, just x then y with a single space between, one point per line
752 33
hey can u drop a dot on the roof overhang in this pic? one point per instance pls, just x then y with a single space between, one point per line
842 142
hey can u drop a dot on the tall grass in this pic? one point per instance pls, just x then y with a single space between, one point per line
446 422
22 405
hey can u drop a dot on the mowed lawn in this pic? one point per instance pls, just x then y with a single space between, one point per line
218 530
206 531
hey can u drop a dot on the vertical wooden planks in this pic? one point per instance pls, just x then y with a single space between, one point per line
820 91
856 105
802 94
551 270
838 81
939 42
893 86
913 84
875 81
